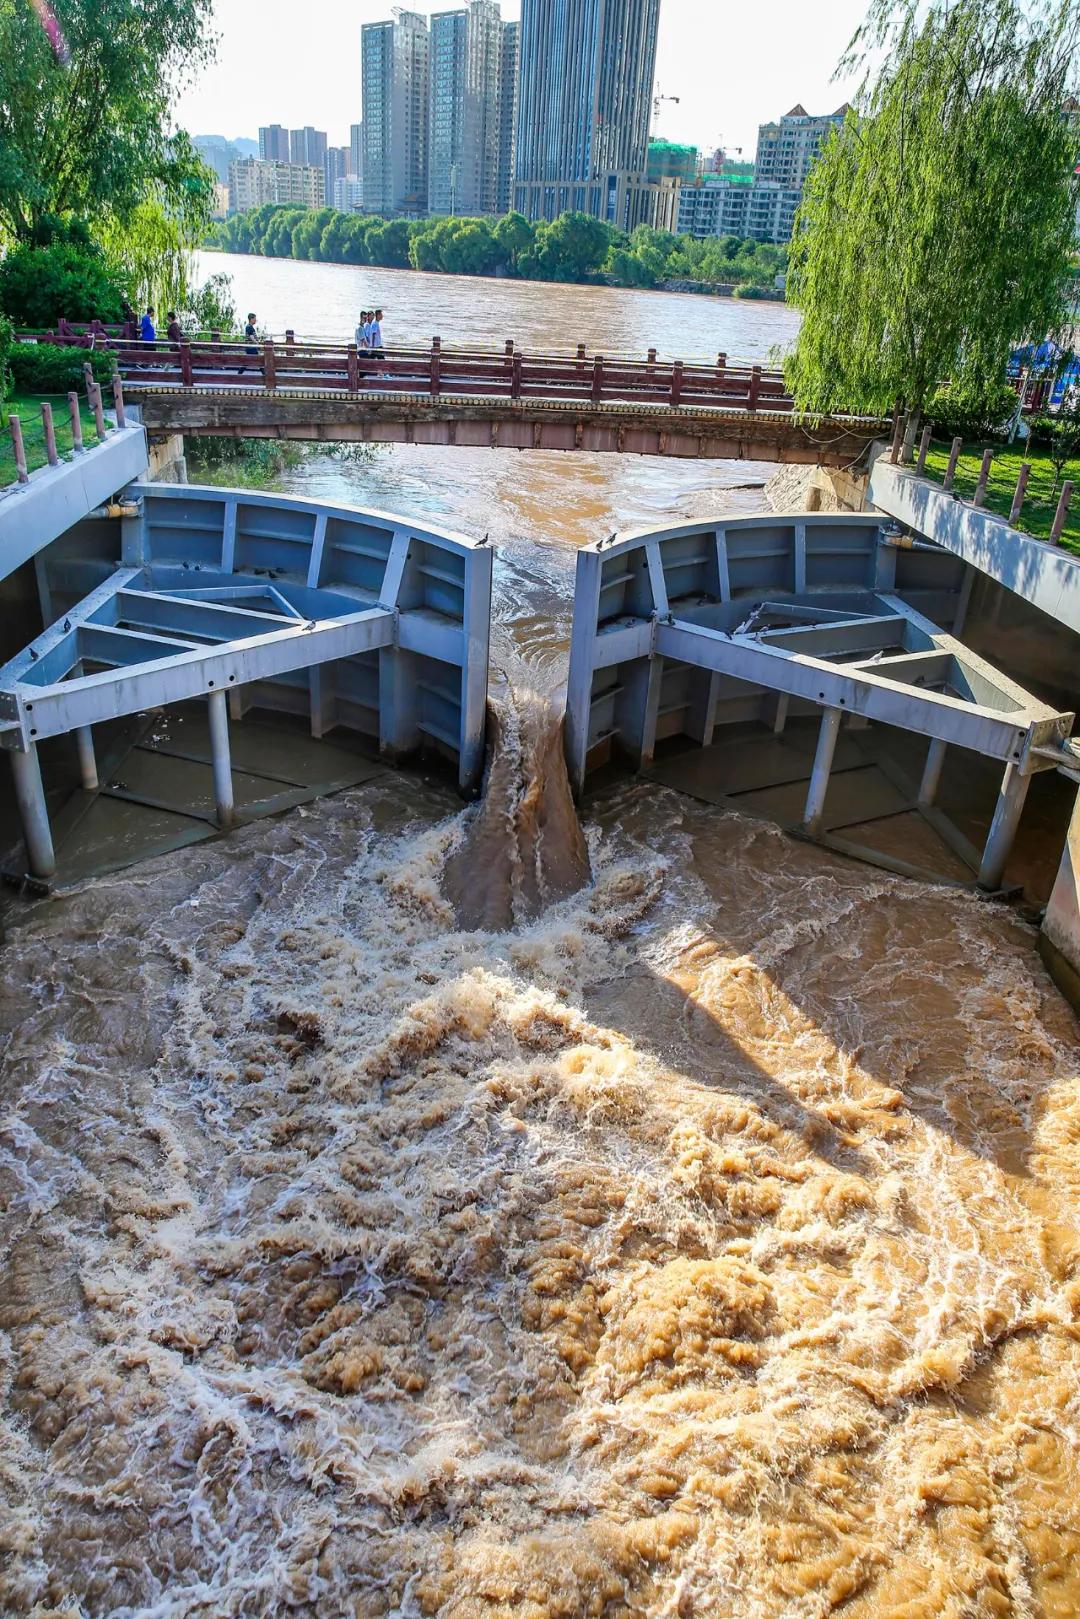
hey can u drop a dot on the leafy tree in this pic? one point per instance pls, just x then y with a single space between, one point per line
307 233
388 244
937 228
41 285
570 248
514 234
89 135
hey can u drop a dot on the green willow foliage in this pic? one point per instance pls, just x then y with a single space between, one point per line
89 135
572 248
938 228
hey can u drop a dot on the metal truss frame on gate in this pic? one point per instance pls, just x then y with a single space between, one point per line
361 618
806 610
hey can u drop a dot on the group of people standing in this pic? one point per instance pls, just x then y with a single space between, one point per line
369 330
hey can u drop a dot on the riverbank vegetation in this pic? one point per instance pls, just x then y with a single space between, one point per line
27 407
99 200
1043 488
938 229
256 463
572 248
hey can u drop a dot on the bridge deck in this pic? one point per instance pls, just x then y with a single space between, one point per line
507 398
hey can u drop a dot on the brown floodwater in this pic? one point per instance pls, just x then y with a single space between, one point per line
414 1211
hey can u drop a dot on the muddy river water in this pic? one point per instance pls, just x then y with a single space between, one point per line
696 1231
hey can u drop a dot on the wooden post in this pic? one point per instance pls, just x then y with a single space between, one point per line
984 478
897 438
755 385
185 365
434 383
15 428
50 435
515 378
1021 489
1062 511
290 337
954 456
76 423
509 346
99 414
676 382
118 400
721 365
598 377
650 358
269 367
924 447
581 351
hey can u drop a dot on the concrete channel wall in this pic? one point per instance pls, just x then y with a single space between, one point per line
1035 570
34 514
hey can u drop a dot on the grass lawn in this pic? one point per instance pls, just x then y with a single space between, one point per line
1040 503
28 409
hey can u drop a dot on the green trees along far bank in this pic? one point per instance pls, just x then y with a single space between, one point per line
572 248
938 229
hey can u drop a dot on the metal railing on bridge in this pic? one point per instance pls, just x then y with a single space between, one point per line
325 367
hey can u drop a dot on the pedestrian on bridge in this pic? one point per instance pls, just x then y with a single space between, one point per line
375 332
250 338
146 326
174 331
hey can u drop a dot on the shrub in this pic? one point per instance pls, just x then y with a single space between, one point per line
40 286
971 411
45 368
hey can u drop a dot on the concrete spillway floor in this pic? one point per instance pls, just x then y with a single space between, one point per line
156 791
870 808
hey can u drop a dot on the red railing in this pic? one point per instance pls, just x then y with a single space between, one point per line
307 367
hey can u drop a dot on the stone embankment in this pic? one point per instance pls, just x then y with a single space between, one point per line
816 489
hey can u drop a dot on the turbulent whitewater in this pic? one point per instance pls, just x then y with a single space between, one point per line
704 1244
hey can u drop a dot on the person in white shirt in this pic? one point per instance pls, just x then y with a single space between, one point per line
376 330
361 335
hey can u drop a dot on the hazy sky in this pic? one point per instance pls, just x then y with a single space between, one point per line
733 65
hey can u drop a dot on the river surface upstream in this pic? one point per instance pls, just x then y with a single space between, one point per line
696 1232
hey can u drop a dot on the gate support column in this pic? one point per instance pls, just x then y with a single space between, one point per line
222 760
819 778
999 842
84 741
30 797
931 776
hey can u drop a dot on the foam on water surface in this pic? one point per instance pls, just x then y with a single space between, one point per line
703 1244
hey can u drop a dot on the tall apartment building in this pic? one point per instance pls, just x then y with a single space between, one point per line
786 150
335 167
395 87
274 143
734 205
356 151
308 146
255 180
465 109
348 195
585 103
508 109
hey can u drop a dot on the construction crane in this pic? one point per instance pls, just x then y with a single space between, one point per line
657 99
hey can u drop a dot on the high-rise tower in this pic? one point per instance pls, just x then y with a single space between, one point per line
465 109
584 108
394 78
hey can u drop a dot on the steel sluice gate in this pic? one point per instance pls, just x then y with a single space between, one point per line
350 618
761 620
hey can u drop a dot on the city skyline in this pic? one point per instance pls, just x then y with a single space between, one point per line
702 62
